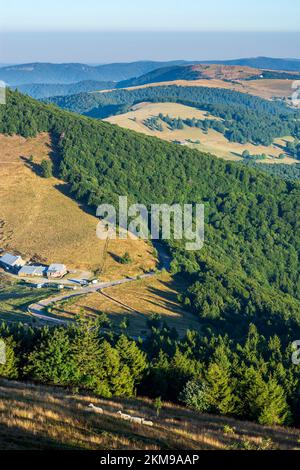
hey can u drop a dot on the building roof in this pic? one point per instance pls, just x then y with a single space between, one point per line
56 268
9 259
32 271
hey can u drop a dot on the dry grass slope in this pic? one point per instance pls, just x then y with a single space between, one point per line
39 219
143 299
42 418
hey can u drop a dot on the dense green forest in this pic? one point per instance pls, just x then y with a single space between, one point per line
288 172
245 118
247 272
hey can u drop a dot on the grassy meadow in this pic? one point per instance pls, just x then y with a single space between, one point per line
211 141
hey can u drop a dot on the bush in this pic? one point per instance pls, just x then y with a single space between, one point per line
195 396
47 168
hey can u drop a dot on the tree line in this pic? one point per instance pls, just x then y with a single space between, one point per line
252 379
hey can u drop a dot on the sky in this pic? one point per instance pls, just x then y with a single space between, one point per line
111 30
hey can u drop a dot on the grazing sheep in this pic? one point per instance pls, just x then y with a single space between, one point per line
123 416
147 423
136 420
96 409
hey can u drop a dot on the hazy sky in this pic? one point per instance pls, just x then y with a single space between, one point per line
32 29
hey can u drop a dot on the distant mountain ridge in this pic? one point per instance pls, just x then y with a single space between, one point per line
48 73
48 90
289 65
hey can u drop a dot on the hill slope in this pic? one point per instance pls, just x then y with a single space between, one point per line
55 228
41 418
231 73
250 255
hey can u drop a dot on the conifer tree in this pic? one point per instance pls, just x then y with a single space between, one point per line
9 367
132 356
52 361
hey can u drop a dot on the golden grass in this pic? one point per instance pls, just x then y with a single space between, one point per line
212 141
39 218
136 301
38 418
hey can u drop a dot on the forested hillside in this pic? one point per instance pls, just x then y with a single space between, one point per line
246 118
46 90
246 274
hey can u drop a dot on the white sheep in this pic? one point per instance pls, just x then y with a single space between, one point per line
96 409
147 423
123 416
136 420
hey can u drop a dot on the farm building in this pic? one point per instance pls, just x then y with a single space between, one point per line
32 271
56 270
10 261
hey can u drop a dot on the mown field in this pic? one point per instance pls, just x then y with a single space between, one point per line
43 418
210 141
40 220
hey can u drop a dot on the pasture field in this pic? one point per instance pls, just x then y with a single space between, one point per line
136 302
15 297
43 418
40 220
212 142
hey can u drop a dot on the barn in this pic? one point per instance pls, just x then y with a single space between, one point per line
56 271
11 262
32 271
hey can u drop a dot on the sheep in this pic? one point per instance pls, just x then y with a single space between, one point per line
136 420
96 409
147 423
123 416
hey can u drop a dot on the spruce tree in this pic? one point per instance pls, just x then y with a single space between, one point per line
9 363
51 361
132 357
115 378
86 354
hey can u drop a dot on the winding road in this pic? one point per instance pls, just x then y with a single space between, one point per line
38 310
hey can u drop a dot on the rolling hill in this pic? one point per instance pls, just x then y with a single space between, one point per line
47 73
193 72
44 418
140 117
291 65
44 90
